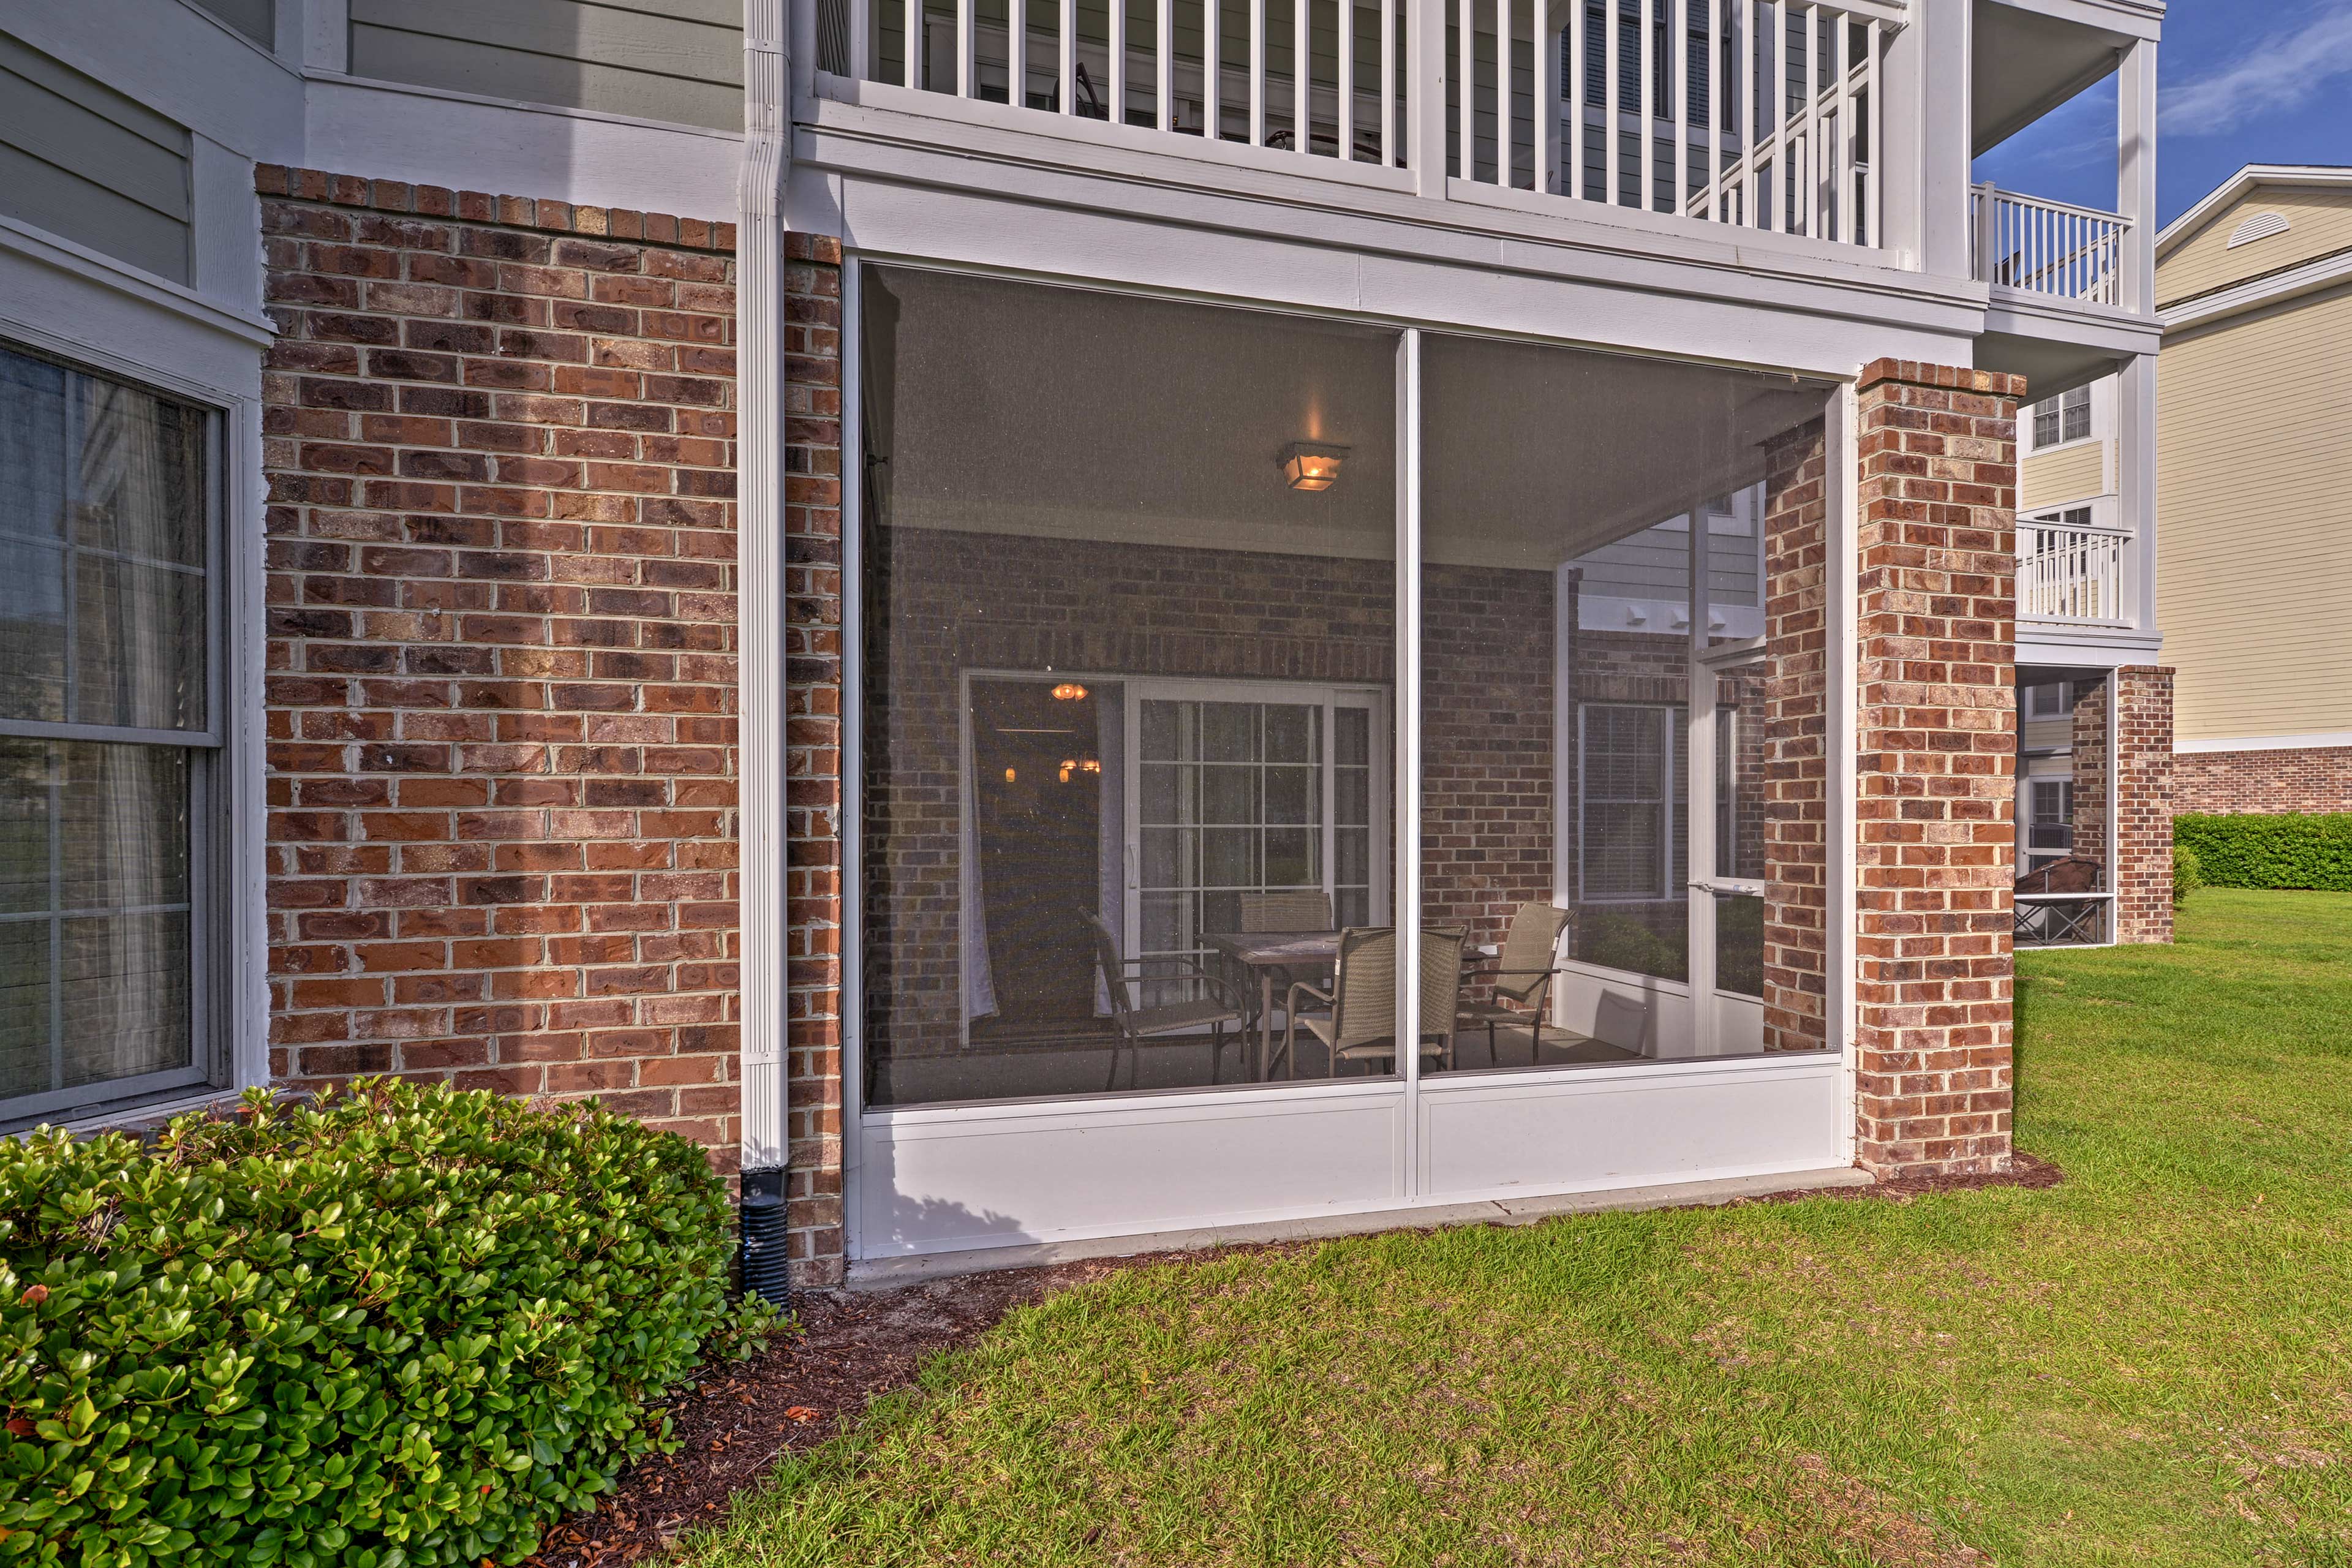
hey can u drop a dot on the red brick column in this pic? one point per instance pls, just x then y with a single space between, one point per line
813 802
1937 753
2087 751
499 442
1796 751
2143 872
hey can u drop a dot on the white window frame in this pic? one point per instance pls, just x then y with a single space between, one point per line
1672 719
2082 399
67 303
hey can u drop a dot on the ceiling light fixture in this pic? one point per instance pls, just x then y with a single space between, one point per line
1069 691
1312 465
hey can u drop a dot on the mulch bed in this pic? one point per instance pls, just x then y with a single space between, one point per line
854 1344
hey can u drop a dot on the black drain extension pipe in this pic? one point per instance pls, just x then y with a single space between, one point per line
760 1223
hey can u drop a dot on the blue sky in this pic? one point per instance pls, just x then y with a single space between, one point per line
2239 82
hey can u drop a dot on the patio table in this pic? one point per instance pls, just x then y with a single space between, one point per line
1267 954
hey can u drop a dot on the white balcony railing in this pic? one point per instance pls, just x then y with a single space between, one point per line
1746 112
2048 248
2069 573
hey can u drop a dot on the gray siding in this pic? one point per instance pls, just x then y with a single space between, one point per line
83 162
256 19
1653 564
679 60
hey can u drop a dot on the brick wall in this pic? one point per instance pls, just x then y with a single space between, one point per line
2087 755
1936 750
2304 779
2143 872
813 628
1795 750
499 443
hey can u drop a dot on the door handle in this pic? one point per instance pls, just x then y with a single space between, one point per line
1728 886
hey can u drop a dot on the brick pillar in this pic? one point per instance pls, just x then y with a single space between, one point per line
812 697
1937 753
499 435
1795 758
2087 750
2142 870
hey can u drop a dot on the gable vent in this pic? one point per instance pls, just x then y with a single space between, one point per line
2262 225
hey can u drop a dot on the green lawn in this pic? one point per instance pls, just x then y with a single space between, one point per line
2147 1364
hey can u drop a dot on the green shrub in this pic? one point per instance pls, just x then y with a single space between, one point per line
2269 851
397 1325
2188 873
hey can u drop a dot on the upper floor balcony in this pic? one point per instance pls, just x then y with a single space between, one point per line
1831 136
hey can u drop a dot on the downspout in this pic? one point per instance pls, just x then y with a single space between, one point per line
760 667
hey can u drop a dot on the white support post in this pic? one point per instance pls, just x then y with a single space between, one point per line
1426 63
761 182
2135 174
1406 895
2134 415
915 42
1930 141
965 18
1068 47
1713 177
1841 157
861 39
1212 70
1387 57
1842 452
1698 786
1257 73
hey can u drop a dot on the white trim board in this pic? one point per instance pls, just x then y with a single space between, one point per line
2316 740
2309 278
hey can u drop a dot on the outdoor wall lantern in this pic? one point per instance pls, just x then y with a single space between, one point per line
1312 465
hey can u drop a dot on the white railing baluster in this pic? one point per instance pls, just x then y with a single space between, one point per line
1466 103
1347 85
1016 53
1258 83
964 18
1748 96
1388 82
2069 573
1610 92
1544 45
914 43
1715 98
1871 235
1678 84
861 40
1065 57
1212 70
1302 78
1842 154
1115 110
1163 62
1812 160
1571 173
1647 126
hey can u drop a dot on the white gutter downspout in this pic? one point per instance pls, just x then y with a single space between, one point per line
760 604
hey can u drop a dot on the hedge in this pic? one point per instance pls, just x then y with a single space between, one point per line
2297 851
398 1325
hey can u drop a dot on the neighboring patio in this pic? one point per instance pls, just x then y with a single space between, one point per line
2143 1363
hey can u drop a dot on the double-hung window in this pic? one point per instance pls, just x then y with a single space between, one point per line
110 733
2058 420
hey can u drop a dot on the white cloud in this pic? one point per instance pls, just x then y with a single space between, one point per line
2280 71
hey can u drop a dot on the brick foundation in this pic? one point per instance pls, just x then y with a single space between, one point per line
1936 750
1795 750
499 444
2143 804
2314 779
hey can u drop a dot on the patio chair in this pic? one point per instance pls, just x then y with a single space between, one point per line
1304 910
1521 977
1360 1021
1222 1007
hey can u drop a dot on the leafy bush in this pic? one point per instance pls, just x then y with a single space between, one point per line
401 1325
2269 851
2188 873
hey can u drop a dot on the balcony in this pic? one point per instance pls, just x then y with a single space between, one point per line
1670 114
2027 245
2073 573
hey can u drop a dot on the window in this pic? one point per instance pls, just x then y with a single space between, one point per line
107 733
1632 769
2047 700
2058 420
2051 830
